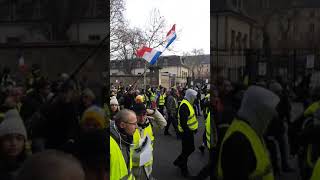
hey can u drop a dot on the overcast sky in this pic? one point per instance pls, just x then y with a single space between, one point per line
192 17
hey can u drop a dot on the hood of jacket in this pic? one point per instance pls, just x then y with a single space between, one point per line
258 108
191 95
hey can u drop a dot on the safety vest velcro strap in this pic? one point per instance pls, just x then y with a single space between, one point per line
191 117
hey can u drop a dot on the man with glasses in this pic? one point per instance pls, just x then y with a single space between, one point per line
143 140
121 141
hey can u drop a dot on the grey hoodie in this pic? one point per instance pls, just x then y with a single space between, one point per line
258 107
191 95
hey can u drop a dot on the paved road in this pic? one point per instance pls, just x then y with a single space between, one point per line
167 148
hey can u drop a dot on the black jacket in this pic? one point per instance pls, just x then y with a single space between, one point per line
237 159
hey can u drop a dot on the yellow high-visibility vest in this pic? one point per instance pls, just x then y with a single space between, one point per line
136 138
118 166
162 100
192 119
316 171
263 169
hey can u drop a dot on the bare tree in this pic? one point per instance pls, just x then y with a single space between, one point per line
193 61
117 22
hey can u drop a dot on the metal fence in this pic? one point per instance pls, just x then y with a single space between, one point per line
257 64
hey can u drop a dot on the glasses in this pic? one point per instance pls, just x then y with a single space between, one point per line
113 104
134 123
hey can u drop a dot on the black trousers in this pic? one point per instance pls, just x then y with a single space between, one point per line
161 108
173 120
187 140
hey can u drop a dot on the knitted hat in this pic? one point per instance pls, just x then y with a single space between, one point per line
139 109
88 92
12 124
114 100
94 113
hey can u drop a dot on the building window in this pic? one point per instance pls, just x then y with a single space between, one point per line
233 38
244 41
312 14
94 38
238 41
311 28
235 3
13 39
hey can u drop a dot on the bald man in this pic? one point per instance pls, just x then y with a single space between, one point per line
51 165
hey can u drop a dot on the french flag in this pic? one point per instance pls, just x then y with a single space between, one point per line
149 54
171 36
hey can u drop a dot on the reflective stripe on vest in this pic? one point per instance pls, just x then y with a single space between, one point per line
153 97
208 130
312 109
192 119
310 158
118 166
263 169
316 171
161 100
136 138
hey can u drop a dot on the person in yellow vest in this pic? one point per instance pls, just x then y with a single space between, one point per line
211 143
243 154
187 126
316 171
121 142
161 100
309 145
304 138
143 140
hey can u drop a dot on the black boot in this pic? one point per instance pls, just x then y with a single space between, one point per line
185 172
166 133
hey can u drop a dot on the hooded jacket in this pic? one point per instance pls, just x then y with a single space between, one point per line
258 108
122 140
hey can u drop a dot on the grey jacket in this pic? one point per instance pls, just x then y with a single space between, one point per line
171 105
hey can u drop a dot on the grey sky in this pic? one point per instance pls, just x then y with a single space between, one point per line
192 17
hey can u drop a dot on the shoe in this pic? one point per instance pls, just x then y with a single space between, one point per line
185 172
177 163
201 148
166 133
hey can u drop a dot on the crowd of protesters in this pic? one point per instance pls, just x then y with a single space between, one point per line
51 129
252 133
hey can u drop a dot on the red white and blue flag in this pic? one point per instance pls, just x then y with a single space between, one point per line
149 54
171 36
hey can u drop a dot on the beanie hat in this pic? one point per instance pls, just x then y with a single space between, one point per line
96 114
12 124
114 100
88 92
275 87
139 109
139 99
